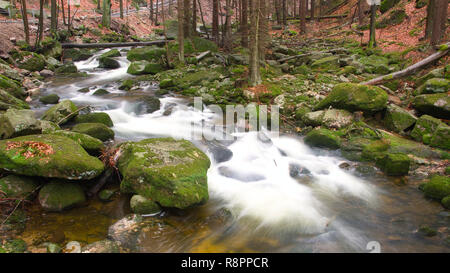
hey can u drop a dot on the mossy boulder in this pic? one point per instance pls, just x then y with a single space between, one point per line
108 62
375 64
68 68
327 63
436 105
141 205
435 73
100 92
8 101
97 117
331 118
111 53
398 119
147 105
32 61
433 86
48 156
144 67
15 186
166 83
48 126
76 55
92 145
127 85
167 171
438 187
376 150
60 195
425 127
441 137
323 138
446 202
387 5
394 164
49 99
61 112
11 87
355 97
16 122
51 47
152 53
96 130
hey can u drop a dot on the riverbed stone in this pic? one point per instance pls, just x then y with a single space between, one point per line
394 164
59 195
166 83
355 97
441 137
398 119
323 138
97 117
425 127
92 145
111 53
142 205
8 101
147 105
436 105
11 87
327 63
15 186
438 187
97 130
16 122
107 62
144 67
331 118
67 68
32 61
168 171
148 53
103 246
48 156
76 54
433 86
106 194
49 99
48 126
100 92
61 113
446 202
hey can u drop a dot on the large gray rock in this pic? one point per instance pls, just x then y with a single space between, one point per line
60 195
398 119
61 112
15 123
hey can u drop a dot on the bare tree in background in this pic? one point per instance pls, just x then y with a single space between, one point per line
244 24
187 18
258 9
302 11
215 21
41 23
284 13
121 8
25 21
151 11
180 31
106 14
372 38
54 16
194 16
440 17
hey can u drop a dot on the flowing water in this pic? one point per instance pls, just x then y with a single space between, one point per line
274 194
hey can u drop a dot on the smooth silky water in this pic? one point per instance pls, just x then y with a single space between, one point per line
275 194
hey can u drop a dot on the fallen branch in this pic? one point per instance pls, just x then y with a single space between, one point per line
109 45
72 114
410 69
202 55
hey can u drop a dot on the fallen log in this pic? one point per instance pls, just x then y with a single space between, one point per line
109 45
202 55
336 16
443 50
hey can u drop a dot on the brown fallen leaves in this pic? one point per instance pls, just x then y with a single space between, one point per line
30 149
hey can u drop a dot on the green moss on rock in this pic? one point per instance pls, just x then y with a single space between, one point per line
61 112
8 101
152 53
437 105
394 164
438 187
92 145
141 205
49 99
425 128
15 186
170 172
97 117
61 195
398 119
58 157
96 130
16 122
323 138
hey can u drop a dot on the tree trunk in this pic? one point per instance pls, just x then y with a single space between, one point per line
313 3
215 21
360 14
187 18
121 8
302 10
263 31
430 18
284 13
25 21
278 10
203 19
54 16
227 38
106 16
194 16
244 24
440 16
68 14
157 11
180 31
62 10
372 39
255 73
151 11
41 23
99 7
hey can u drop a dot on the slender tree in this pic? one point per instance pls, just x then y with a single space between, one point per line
121 8
106 15
257 16
372 39
244 24
203 19
440 14
41 23
151 11
430 18
25 21
54 16
227 32
180 31
62 10
313 4
215 21
187 18
302 11
284 13
99 5
194 16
